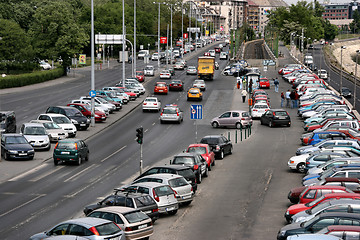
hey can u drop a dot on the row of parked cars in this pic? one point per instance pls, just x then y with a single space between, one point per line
59 125
327 205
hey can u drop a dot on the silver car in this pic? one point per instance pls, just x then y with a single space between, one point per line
199 84
92 228
235 118
183 190
36 135
191 70
60 120
55 132
171 113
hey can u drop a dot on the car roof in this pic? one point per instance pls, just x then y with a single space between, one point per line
149 184
53 114
128 194
339 214
87 221
71 140
199 145
166 176
175 167
344 228
116 209
32 124
12 135
340 195
213 136
186 154
313 236
327 187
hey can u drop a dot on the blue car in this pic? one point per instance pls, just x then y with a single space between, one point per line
321 136
313 106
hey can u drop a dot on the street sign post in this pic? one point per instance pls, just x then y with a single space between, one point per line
196 112
92 93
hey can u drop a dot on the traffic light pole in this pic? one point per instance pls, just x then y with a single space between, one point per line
139 140
141 159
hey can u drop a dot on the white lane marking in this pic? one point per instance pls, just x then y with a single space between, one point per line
27 173
153 123
46 174
146 130
41 195
75 175
114 153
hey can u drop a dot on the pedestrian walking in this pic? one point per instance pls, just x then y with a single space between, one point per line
287 97
238 82
276 84
243 94
282 99
296 99
292 97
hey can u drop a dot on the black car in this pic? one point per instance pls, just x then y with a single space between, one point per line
345 92
313 67
319 222
275 117
181 170
140 201
176 85
220 145
15 146
7 122
171 70
77 118
195 161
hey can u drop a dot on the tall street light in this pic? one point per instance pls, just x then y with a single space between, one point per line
355 79
341 66
123 42
134 49
182 29
92 65
158 34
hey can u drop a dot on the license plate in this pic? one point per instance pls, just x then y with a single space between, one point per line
65 152
282 117
185 197
169 209
22 154
160 90
142 226
82 125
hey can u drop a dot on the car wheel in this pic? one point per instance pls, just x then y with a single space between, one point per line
215 125
209 167
78 161
301 167
161 121
221 154
238 125
230 151
87 157
56 162
213 163
271 124
206 174
6 156
173 212
199 178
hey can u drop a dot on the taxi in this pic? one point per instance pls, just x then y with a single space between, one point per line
194 94
264 83
161 87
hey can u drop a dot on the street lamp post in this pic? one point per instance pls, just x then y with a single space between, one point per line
182 30
92 65
158 34
355 78
134 49
341 66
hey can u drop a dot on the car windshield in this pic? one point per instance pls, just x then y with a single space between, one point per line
315 202
111 95
194 91
200 150
134 217
163 190
150 100
169 111
178 182
308 223
60 120
51 125
35 131
318 208
73 112
139 73
183 160
107 229
15 140
160 85
66 145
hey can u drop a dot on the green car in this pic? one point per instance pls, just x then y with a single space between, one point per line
71 150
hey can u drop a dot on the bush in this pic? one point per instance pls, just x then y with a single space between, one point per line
30 78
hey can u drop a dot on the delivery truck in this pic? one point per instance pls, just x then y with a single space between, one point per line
206 68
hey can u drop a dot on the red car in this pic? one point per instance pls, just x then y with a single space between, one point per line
205 151
86 111
176 85
311 193
140 76
302 207
312 127
132 96
264 83
342 230
161 87
217 49
350 133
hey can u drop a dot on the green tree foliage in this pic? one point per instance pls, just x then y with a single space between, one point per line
330 30
355 24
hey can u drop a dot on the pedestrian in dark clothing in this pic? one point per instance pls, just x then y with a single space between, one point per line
276 84
292 97
282 99
296 99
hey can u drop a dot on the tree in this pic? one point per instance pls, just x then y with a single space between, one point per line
355 24
330 30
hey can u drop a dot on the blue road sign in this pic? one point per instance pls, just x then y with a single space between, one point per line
196 111
92 93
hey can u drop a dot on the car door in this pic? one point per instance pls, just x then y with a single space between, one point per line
224 119
225 144
267 116
202 163
320 224
62 229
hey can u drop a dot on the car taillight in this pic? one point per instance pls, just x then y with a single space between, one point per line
307 163
94 231
144 103
177 113
127 229
155 210
155 103
156 197
274 114
196 167
161 114
76 147
217 147
255 110
56 145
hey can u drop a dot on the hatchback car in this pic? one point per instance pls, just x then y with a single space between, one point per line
200 84
233 118
85 109
149 70
139 201
36 135
176 85
171 113
275 117
89 227
55 132
15 146
264 83
194 94
205 151
161 87
195 161
311 193
77 118
136 224
165 74
191 70
219 144
60 120
151 104
179 66
70 150
258 109
140 76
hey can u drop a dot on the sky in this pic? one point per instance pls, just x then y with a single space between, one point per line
321 1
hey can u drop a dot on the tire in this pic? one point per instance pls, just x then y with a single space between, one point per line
213 164
221 154
206 172
173 212
301 167
6 156
238 125
261 122
209 167
214 124
87 157
230 151
271 124
56 162
161 122
79 161
199 178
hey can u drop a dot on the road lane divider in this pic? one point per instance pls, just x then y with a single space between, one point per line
27 173
25 203
47 174
79 173
103 160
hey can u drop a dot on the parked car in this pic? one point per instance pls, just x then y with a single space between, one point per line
92 228
312 236
176 85
343 231
36 135
195 161
151 103
205 151
316 137
44 65
70 150
327 143
135 223
161 87
140 76
317 167
85 109
347 170
15 146
7 122
171 113
220 145
55 132
60 120
275 117
234 118
139 201
311 193
77 118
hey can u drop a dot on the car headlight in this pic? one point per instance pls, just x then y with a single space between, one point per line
282 233
13 151
74 121
95 116
88 120
31 151
287 213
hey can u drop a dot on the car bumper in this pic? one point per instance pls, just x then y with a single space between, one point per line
41 146
139 234
168 208
166 119
185 198
282 122
66 158
19 156
82 126
151 108
57 138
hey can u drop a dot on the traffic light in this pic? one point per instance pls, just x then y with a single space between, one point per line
139 135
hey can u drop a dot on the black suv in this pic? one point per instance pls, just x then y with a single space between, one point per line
195 161
181 170
220 145
140 201
77 118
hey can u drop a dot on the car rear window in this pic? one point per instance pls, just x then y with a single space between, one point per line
144 201
183 160
72 112
261 106
178 182
134 217
194 91
169 111
66 145
200 150
245 114
160 85
281 113
163 190
107 229
150 100
210 140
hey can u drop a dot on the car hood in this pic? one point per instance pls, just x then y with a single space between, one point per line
66 125
19 147
36 137
311 181
39 236
299 158
56 131
306 149
292 228
310 176
297 208
295 192
88 209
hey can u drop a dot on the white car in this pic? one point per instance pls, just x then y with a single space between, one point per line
212 53
149 70
155 57
165 74
322 73
44 65
36 135
61 120
151 103
98 107
258 110
137 86
111 107
55 132
200 84
223 56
